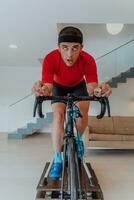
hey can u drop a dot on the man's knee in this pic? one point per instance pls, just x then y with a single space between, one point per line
81 123
58 116
58 111
84 116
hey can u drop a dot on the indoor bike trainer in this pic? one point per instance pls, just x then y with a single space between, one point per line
49 188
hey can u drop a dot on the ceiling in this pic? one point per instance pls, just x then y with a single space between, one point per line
33 25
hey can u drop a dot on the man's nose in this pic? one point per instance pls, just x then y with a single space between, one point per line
69 52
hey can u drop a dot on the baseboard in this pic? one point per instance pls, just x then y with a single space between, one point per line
110 145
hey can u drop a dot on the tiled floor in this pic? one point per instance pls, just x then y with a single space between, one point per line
22 162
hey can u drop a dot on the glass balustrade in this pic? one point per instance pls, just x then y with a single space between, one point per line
113 63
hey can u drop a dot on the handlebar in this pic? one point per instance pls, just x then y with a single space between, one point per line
70 97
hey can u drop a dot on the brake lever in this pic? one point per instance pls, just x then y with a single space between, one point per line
108 107
40 110
103 109
38 107
35 107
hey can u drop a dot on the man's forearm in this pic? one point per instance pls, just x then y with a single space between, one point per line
91 87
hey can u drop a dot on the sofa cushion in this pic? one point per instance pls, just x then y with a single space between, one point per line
123 125
110 137
101 126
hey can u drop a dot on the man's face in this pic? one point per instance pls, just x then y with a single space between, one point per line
70 52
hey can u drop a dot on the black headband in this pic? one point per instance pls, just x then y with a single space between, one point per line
70 38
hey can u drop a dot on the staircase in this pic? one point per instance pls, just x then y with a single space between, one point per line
31 128
122 78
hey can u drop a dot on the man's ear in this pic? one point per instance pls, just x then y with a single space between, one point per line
82 46
59 47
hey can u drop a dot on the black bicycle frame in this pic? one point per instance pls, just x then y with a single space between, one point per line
69 126
68 135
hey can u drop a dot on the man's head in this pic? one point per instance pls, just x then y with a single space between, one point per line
70 44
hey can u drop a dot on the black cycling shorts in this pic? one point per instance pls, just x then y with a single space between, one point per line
59 90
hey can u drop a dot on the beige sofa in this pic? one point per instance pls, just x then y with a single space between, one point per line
110 132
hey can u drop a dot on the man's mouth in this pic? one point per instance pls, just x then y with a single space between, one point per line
69 60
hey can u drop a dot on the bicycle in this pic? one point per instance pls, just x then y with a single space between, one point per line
71 187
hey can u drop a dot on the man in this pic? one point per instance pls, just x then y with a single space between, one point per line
68 70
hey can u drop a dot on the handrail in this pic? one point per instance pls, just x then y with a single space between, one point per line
98 58
25 97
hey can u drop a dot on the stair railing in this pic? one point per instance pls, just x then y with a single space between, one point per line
118 60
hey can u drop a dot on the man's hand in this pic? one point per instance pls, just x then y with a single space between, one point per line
42 89
103 90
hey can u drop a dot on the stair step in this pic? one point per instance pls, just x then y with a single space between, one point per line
24 131
130 75
49 117
31 128
113 85
16 136
121 78
43 121
33 125
132 69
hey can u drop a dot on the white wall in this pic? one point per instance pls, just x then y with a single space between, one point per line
16 83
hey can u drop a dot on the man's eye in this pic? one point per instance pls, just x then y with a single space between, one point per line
75 48
65 48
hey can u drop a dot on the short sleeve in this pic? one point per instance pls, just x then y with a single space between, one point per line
47 70
91 71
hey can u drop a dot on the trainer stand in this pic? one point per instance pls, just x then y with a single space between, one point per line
49 188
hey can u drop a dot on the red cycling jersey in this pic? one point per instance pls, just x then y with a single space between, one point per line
54 69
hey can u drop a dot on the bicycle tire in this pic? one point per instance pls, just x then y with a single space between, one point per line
72 171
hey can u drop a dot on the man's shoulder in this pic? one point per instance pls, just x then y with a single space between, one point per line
53 54
52 59
86 55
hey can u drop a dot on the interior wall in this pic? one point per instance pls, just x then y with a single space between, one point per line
15 84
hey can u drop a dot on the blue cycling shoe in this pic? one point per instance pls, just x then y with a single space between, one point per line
56 170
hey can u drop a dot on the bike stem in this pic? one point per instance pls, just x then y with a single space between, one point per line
69 126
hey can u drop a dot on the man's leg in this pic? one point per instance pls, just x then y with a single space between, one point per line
57 138
81 123
58 125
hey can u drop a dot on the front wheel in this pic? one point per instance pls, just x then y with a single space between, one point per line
72 172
